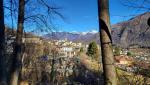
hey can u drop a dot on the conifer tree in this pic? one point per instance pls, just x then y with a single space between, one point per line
93 50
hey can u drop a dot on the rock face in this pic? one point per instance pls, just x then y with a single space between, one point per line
134 32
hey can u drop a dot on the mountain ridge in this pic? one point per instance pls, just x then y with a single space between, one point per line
134 31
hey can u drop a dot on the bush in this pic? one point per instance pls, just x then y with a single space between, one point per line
129 54
117 51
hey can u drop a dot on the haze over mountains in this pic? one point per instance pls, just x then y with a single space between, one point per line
128 33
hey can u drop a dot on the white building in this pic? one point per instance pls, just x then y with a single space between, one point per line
67 51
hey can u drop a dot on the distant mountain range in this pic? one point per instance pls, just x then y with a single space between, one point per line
75 37
134 32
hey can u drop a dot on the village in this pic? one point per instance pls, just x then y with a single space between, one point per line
74 42
68 49
62 58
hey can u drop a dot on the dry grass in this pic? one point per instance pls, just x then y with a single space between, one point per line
127 78
90 63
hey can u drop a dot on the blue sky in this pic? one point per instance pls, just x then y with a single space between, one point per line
81 15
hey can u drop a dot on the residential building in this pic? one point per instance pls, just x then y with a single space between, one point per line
124 60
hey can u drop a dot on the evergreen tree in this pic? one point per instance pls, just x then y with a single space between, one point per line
129 54
117 51
93 50
81 49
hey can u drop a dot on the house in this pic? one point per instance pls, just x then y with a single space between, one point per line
31 40
124 60
67 51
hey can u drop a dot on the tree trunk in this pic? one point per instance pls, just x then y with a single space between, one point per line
16 68
106 43
2 46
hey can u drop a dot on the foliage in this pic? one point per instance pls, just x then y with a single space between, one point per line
129 54
117 51
129 78
93 50
81 49
145 72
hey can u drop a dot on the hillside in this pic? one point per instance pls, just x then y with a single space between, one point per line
133 32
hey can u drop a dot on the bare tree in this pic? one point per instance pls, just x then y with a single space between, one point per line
2 46
137 4
18 45
106 43
38 18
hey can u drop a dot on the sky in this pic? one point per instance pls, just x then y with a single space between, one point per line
82 15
